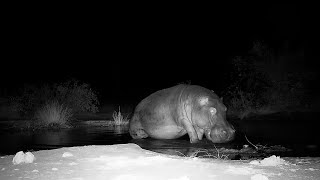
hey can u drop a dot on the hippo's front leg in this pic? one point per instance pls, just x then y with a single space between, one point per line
190 130
199 132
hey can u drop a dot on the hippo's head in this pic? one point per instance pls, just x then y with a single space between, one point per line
209 115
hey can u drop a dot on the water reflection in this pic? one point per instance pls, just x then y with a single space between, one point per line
119 130
58 138
115 130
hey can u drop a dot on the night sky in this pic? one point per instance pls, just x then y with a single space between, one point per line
126 53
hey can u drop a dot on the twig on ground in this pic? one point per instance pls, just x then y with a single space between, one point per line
251 143
223 156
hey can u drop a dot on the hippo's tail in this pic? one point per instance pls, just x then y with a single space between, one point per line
136 130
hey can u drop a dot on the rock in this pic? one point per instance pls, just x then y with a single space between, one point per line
18 158
22 157
29 157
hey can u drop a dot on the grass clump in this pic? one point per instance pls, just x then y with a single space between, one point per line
53 114
119 119
204 153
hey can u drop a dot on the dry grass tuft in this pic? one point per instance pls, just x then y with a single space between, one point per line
119 119
52 114
207 154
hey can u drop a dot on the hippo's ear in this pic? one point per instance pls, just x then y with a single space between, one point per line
213 111
203 101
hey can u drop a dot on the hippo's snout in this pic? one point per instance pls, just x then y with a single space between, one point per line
221 134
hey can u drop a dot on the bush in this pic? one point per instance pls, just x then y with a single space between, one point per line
78 96
259 85
53 114
246 91
55 103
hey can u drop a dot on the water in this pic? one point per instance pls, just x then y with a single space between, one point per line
13 142
299 133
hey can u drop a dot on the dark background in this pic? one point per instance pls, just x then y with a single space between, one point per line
127 51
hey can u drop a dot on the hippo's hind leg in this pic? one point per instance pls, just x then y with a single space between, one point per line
136 130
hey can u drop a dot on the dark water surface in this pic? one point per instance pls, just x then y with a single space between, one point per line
13 142
298 132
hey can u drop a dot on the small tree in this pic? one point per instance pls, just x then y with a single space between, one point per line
78 96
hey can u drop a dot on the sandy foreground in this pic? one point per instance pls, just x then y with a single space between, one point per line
130 162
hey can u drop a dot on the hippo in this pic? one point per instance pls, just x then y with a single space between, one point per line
171 113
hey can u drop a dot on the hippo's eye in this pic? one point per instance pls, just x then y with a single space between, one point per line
203 101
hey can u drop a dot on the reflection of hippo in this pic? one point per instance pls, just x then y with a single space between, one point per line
173 112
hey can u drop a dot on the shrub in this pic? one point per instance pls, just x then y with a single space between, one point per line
258 84
53 114
79 96
55 103
248 85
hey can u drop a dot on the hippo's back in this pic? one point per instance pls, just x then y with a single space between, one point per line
166 97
